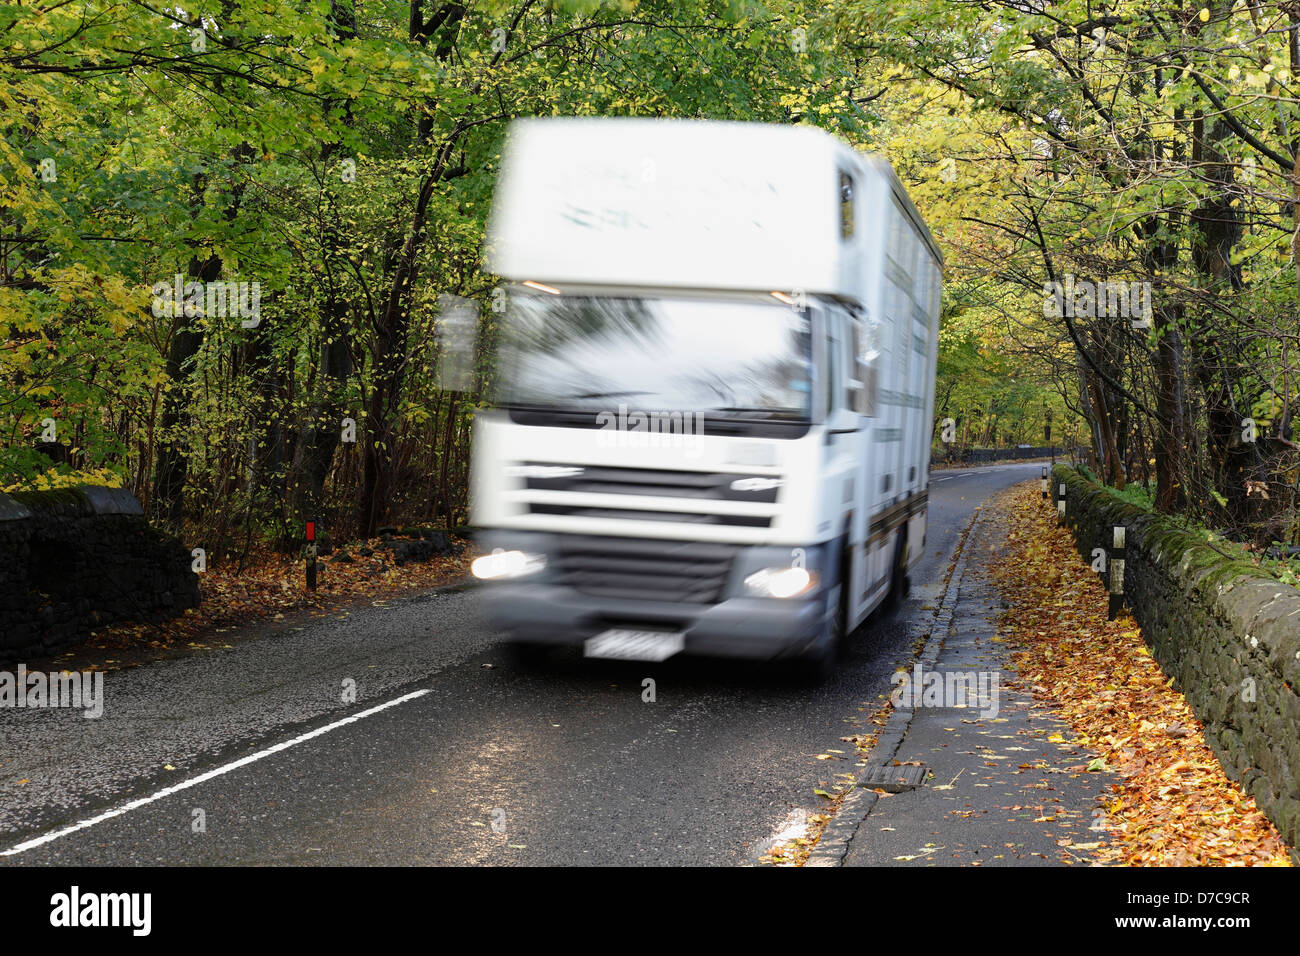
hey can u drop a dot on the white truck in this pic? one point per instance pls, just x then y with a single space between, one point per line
716 382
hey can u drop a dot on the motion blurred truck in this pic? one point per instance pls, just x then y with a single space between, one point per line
716 380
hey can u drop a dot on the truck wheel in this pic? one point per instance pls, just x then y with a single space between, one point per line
819 663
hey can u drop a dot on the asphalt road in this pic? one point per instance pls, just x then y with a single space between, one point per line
454 754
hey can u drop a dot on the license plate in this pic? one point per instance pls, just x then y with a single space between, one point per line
627 645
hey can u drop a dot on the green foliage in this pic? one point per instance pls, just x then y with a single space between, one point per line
1135 494
321 151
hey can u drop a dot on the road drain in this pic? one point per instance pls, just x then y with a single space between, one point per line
893 779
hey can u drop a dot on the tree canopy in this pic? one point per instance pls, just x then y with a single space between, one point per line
331 163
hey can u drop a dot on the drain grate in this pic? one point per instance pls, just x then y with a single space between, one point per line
893 779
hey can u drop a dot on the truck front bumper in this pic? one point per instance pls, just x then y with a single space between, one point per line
550 608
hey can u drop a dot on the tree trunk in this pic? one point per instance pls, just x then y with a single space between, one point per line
168 498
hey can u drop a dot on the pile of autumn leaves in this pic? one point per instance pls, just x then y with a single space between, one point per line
1175 806
272 586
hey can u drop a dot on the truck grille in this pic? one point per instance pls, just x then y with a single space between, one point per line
662 482
644 570
562 487
632 514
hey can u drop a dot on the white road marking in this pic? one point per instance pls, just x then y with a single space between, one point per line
793 827
210 775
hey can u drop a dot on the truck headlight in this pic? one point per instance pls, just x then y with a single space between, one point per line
780 582
507 564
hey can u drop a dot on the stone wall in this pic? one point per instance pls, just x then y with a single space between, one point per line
977 456
79 558
1229 635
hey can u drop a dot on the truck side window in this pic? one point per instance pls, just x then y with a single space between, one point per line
846 205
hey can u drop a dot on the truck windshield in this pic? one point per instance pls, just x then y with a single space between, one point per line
730 361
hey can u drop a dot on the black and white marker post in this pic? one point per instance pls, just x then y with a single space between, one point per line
1044 482
1116 574
1060 502
311 555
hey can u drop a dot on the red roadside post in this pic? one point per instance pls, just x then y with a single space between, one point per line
311 555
